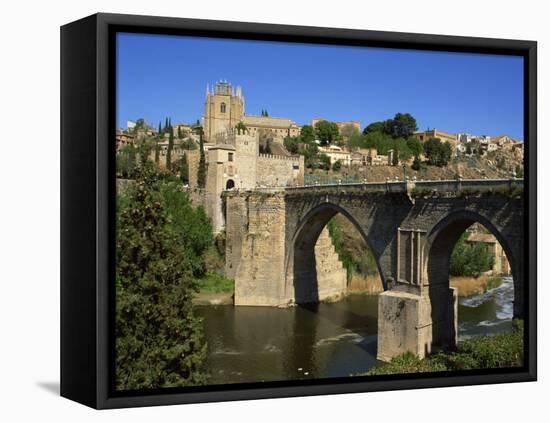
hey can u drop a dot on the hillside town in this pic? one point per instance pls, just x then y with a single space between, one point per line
229 149
326 145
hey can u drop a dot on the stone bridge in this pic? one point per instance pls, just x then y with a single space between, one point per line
411 229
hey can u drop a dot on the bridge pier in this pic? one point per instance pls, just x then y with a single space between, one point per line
407 322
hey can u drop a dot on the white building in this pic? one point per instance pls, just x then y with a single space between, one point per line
336 153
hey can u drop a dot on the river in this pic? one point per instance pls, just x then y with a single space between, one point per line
251 344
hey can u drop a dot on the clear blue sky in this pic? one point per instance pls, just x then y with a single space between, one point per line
160 76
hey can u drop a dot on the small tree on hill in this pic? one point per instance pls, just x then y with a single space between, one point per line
437 153
324 161
307 134
416 164
395 157
326 132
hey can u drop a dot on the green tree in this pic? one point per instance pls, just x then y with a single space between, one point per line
470 259
201 171
324 161
159 340
437 153
307 134
184 170
126 161
416 164
395 158
415 146
356 141
140 124
326 132
402 125
337 166
169 150
241 127
292 144
310 151
374 127
157 151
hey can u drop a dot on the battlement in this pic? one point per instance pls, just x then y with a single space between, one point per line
231 136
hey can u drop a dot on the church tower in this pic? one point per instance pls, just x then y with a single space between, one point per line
223 109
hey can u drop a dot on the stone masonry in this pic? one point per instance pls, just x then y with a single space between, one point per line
271 253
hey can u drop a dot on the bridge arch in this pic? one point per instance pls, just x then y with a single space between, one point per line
300 261
440 242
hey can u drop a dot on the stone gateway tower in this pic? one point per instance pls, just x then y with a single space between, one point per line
223 109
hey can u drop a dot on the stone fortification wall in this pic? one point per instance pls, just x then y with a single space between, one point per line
280 171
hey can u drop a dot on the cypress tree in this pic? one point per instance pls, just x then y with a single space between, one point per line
157 152
201 172
395 157
169 151
184 169
159 340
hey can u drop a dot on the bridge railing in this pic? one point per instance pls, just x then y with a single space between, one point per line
448 185
458 184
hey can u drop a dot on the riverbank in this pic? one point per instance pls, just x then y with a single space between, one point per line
483 352
214 289
468 286
218 290
370 284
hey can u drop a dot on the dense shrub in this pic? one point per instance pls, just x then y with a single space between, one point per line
159 242
470 259
484 352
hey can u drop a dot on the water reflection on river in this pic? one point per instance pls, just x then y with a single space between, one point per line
251 344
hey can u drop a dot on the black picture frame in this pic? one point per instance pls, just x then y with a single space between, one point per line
88 192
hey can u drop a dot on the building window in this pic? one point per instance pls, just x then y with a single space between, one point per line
222 108
230 157
230 184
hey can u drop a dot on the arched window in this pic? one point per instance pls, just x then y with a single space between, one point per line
230 184
222 108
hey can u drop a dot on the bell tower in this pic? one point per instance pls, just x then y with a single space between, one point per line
223 109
